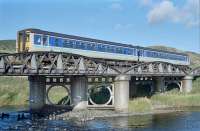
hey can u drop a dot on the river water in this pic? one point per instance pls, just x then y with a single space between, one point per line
176 121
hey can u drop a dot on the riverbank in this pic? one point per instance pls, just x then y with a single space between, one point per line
169 99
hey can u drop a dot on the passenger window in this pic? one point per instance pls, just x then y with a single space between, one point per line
119 50
111 49
106 48
125 51
56 41
60 42
93 46
128 51
51 41
37 39
45 40
65 43
72 44
88 46
78 45
82 45
103 48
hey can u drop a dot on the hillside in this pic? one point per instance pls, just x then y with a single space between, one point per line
8 46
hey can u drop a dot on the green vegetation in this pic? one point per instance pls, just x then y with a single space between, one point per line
141 105
173 98
57 93
14 91
7 46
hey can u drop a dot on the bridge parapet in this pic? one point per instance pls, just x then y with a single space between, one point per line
56 63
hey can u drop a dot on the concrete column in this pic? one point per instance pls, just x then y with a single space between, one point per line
160 84
37 92
79 92
121 93
187 83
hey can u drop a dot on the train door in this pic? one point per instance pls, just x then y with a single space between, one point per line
20 42
23 41
140 53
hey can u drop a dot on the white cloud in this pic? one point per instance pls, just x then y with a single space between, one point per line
165 10
116 6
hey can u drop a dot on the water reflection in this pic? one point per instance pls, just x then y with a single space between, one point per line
134 121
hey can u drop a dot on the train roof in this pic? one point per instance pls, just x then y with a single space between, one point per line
39 31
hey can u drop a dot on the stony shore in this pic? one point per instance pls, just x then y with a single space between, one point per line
86 115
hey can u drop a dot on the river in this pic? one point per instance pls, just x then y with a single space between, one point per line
188 120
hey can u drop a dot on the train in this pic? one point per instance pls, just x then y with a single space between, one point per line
29 40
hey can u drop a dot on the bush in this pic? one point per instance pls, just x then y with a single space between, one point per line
140 105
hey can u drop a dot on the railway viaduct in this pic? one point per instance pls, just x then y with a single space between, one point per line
78 74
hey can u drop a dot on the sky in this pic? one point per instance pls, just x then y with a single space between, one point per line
173 23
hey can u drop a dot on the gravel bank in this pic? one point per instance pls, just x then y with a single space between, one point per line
86 115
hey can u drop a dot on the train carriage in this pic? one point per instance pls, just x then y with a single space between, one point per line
40 40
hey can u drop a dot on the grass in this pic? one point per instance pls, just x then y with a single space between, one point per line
176 100
57 93
196 86
173 98
13 91
140 105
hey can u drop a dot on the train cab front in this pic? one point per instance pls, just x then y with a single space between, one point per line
23 43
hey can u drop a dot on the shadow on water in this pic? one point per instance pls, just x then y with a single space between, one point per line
54 109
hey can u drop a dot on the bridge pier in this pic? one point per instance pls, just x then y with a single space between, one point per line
187 84
79 92
160 84
121 93
37 93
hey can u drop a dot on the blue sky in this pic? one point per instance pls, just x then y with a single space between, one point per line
173 23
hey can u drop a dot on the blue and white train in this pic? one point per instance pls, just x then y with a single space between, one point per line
40 40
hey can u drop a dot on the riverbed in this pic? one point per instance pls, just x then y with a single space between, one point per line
185 120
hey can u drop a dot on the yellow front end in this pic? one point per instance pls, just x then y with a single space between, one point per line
23 43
